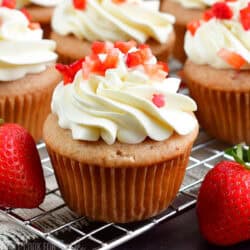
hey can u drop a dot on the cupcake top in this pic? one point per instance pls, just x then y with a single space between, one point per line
121 92
43 3
197 4
222 38
22 49
111 20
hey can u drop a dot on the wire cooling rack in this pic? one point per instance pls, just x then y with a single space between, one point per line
54 222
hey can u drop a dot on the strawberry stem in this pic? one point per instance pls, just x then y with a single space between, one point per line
240 154
1 121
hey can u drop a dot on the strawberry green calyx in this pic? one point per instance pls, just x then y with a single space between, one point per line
1 121
240 154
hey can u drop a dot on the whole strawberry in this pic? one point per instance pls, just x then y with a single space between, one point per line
21 177
223 205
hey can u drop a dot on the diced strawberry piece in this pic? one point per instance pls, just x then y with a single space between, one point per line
111 59
232 58
145 52
163 66
101 47
76 66
158 100
119 1
34 25
207 15
9 3
193 26
245 17
26 13
69 71
134 59
155 71
124 47
222 11
80 4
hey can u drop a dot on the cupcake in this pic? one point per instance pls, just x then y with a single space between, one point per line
40 11
185 11
76 25
217 70
119 135
27 77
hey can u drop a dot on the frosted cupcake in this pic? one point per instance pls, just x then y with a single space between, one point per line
27 77
217 70
40 10
119 136
185 11
76 25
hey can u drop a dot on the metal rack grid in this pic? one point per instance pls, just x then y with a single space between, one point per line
54 222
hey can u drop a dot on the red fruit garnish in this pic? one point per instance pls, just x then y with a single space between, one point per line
80 4
119 1
163 66
222 11
207 15
34 25
158 100
69 71
101 47
124 47
26 13
145 52
224 201
9 4
245 17
22 182
157 71
193 26
141 56
134 59
111 59
232 58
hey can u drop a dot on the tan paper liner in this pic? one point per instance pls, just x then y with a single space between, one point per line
29 110
223 114
119 194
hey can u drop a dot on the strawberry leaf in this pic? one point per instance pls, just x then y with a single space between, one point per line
240 154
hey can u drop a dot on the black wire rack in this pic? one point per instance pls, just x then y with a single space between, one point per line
54 222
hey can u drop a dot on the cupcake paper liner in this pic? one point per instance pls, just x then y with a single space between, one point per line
118 194
223 114
29 110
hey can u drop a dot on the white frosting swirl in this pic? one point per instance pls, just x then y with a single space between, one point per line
22 49
217 34
45 3
105 20
119 106
197 4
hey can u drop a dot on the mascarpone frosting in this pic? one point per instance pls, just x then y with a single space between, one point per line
22 49
106 20
119 106
217 34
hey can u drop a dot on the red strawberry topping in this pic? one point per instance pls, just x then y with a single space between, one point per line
9 3
80 4
222 11
69 71
124 47
193 26
158 100
119 1
245 17
101 47
232 58
26 13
